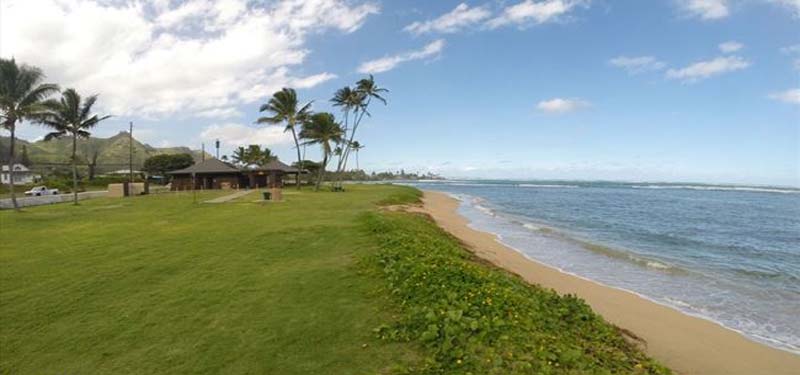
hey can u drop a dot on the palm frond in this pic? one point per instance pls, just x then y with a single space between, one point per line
269 120
54 135
87 106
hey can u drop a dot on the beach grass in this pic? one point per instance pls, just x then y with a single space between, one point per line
320 283
474 318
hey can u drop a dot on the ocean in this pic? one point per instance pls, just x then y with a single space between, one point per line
730 254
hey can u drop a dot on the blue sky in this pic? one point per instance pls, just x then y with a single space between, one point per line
674 90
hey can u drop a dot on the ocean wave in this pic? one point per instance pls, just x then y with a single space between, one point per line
531 226
639 260
523 233
719 188
480 205
466 184
547 186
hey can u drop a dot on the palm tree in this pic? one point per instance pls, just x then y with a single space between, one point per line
357 147
349 100
366 89
322 129
21 97
253 154
239 155
71 116
284 109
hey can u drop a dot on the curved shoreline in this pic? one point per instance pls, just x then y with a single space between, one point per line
686 343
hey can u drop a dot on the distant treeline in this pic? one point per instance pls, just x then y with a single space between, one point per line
361 175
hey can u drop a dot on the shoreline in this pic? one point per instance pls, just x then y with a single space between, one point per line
688 344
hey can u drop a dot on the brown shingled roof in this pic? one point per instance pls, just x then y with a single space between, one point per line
208 166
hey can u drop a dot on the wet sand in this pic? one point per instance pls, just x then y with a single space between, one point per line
687 344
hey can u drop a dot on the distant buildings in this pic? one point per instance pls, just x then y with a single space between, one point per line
22 175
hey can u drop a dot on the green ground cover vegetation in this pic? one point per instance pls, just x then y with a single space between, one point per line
320 283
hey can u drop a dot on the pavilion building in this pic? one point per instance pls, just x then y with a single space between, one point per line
217 174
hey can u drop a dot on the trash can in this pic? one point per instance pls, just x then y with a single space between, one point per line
267 195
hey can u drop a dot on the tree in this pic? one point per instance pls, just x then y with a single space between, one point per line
21 98
322 129
350 101
71 116
311 166
92 152
253 154
360 98
161 164
239 155
25 159
357 147
283 107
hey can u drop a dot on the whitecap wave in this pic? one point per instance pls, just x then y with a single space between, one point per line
720 188
531 226
552 186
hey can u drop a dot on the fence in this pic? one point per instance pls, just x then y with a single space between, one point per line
49 199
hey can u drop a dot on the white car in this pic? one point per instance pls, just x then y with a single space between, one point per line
38 191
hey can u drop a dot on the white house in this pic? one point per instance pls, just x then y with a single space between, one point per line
22 175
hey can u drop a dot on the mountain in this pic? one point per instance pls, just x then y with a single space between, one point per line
112 152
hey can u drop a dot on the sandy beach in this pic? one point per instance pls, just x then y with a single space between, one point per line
687 344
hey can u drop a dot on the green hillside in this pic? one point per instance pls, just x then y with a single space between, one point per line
112 152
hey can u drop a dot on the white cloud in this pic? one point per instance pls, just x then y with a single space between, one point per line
793 50
791 96
227 112
537 12
560 105
453 21
793 5
639 64
705 9
730 47
790 50
390 62
154 58
233 134
705 69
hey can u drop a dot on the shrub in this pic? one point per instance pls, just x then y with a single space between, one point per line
472 318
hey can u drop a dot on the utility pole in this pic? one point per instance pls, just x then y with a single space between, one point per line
203 152
130 159
217 144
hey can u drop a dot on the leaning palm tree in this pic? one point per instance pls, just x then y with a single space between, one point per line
350 101
322 129
357 147
71 116
21 97
367 90
283 107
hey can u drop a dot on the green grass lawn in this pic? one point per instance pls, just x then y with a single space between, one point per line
160 285
321 283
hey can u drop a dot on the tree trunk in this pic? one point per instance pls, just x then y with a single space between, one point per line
74 169
356 122
321 171
299 157
11 161
93 166
341 152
